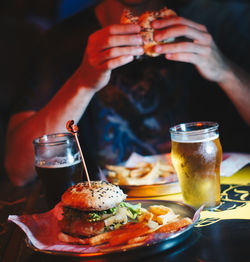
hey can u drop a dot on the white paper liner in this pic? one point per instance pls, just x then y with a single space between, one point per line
231 162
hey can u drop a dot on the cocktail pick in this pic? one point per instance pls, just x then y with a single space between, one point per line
72 128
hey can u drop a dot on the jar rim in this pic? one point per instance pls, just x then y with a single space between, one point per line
53 139
194 128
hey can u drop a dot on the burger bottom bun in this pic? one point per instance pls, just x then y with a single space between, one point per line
100 196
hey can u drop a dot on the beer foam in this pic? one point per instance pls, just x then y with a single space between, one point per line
57 163
184 138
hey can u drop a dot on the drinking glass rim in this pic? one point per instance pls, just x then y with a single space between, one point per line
209 126
44 139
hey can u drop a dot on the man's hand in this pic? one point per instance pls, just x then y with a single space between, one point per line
200 51
107 49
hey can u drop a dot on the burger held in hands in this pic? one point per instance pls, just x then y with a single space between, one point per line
99 215
147 32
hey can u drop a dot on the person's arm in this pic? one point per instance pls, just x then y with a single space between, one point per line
69 103
236 84
107 49
204 54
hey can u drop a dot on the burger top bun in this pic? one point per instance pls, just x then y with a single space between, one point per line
147 32
100 196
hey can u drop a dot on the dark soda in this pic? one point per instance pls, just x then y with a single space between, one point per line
57 179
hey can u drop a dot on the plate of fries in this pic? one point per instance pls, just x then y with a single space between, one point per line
160 225
144 178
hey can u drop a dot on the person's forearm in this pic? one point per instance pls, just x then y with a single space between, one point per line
236 84
19 160
69 103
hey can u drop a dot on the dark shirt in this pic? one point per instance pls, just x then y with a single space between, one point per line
144 98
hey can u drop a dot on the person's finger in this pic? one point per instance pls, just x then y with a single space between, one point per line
124 40
116 62
122 29
115 52
114 41
116 30
177 20
115 35
184 57
182 47
182 31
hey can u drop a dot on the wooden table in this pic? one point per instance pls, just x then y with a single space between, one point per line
221 235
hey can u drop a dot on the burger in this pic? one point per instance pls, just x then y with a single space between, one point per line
147 32
89 211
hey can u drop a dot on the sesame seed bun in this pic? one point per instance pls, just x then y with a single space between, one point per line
100 196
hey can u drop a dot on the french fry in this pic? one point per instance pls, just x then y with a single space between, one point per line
139 172
168 218
143 173
143 165
122 179
153 174
138 230
160 210
145 215
164 167
174 226
119 169
105 237
101 238
140 239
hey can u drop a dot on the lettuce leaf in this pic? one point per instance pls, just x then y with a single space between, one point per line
135 210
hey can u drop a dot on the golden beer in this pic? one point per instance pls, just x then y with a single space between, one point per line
196 155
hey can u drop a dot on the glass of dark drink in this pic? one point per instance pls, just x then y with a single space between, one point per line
58 164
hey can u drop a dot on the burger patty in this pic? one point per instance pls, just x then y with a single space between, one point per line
81 223
79 227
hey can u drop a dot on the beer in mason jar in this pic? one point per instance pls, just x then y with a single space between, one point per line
196 155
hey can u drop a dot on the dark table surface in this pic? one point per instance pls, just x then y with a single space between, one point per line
221 235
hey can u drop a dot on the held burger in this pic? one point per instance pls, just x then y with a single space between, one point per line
88 211
147 32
